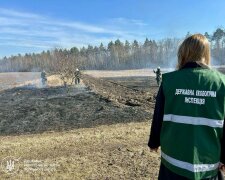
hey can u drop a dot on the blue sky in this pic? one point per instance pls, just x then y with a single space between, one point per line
36 25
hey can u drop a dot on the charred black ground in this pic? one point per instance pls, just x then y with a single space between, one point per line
29 109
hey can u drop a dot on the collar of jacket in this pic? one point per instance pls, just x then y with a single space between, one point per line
195 65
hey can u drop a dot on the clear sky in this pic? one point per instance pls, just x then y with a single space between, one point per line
36 25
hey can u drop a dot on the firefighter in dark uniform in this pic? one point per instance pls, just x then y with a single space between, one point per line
43 78
188 121
77 76
158 75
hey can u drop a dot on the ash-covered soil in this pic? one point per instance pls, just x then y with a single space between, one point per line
123 93
29 109
142 83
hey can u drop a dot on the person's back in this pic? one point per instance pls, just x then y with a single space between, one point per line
43 75
158 75
77 73
77 76
188 121
193 117
158 72
43 78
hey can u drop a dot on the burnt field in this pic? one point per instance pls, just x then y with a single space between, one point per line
97 101
142 83
96 130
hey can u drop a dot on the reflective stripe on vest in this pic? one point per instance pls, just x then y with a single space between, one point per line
193 120
189 166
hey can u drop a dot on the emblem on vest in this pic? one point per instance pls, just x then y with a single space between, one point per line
196 93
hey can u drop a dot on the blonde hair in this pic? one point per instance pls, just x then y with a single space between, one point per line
195 48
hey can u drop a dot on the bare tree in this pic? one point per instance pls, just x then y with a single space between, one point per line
65 67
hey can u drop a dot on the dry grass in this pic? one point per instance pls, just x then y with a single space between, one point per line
54 80
15 79
105 152
18 79
123 73
120 73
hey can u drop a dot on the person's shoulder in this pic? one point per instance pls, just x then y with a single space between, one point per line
171 73
215 75
217 72
170 76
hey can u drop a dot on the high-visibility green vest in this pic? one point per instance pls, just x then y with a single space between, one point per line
193 119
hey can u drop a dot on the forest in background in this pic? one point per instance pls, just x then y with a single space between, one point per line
116 55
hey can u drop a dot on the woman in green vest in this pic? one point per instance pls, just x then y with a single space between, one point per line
188 121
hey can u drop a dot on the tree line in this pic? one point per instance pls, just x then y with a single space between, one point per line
116 55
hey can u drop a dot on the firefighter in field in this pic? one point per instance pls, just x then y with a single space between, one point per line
77 75
158 75
43 78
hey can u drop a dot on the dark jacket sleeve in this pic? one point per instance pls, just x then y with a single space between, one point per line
222 159
154 140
